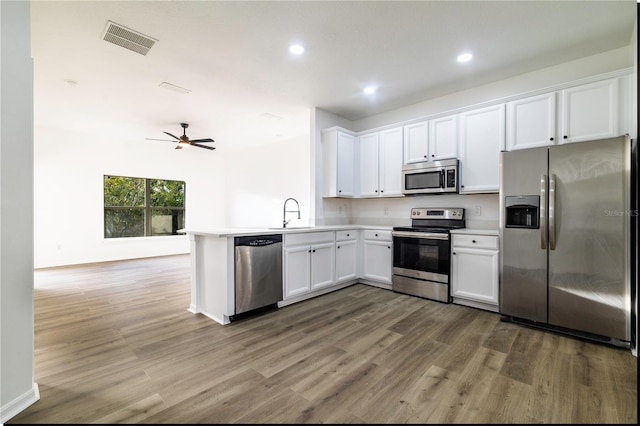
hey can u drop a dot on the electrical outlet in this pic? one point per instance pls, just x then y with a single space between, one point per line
386 211
477 211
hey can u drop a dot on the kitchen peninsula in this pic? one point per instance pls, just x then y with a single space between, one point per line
317 260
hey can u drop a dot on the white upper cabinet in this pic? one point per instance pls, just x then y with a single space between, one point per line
585 112
590 111
531 122
416 142
482 137
431 140
443 138
369 168
390 162
338 149
381 163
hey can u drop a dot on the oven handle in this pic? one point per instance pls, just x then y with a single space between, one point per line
423 235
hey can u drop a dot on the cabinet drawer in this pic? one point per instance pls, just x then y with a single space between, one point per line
308 238
350 234
475 241
370 234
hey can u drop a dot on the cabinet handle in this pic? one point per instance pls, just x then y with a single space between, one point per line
376 235
566 137
388 247
339 190
433 155
309 251
453 252
473 241
461 186
338 247
314 251
347 235
550 139
382 190
376 190
425 156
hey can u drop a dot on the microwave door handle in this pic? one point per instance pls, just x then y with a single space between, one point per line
441 179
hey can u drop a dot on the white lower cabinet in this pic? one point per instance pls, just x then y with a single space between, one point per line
377 256
309 263
474 270
346 255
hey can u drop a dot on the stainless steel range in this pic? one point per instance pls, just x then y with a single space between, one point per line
421 253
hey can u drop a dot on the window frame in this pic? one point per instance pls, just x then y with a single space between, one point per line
147 208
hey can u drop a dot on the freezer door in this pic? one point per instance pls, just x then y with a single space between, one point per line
589 288
523 278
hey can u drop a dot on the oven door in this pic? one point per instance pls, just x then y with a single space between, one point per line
421 255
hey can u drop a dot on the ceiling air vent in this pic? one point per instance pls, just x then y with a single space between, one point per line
129 39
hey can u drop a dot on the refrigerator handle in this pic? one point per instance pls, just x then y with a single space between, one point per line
543 212
552 212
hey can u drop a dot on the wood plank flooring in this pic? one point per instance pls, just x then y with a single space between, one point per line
114 343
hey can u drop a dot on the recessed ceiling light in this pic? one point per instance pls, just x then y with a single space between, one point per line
296 49
465 57
370 90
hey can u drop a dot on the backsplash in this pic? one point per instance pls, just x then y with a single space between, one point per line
481 210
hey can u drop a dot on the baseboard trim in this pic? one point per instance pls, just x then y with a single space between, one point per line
15 407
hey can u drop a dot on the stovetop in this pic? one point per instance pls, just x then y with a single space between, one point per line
436 229
439 220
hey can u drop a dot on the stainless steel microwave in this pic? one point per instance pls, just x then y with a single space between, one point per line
430 177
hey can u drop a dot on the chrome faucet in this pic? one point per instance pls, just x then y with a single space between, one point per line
285 211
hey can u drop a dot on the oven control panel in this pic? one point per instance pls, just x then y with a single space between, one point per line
455 213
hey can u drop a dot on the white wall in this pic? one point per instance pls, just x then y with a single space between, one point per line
17 387
69 173
261 179
223 189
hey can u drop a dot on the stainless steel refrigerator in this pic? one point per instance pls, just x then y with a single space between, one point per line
565 235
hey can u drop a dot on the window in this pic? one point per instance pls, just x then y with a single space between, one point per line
139 207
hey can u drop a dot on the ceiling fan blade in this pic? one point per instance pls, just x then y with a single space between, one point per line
202 140
173 136
164 140
203 146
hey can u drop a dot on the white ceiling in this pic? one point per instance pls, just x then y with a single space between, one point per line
234 58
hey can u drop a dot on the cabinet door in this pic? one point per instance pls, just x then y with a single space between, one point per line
369 165
590 111
322 265
346 260
377 260
345 164
297 271
482 137
390 162
531 122
475 274
443 137
416 146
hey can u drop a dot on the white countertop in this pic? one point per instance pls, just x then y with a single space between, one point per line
476 231
240 232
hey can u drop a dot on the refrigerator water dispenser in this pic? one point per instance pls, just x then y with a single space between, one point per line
522 211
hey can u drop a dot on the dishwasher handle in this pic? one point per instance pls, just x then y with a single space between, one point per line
258 240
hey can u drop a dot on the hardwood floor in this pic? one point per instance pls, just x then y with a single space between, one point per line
114 343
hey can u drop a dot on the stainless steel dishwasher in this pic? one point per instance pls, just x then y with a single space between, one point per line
258 272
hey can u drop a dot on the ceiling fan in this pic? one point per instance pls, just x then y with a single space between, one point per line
185 141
